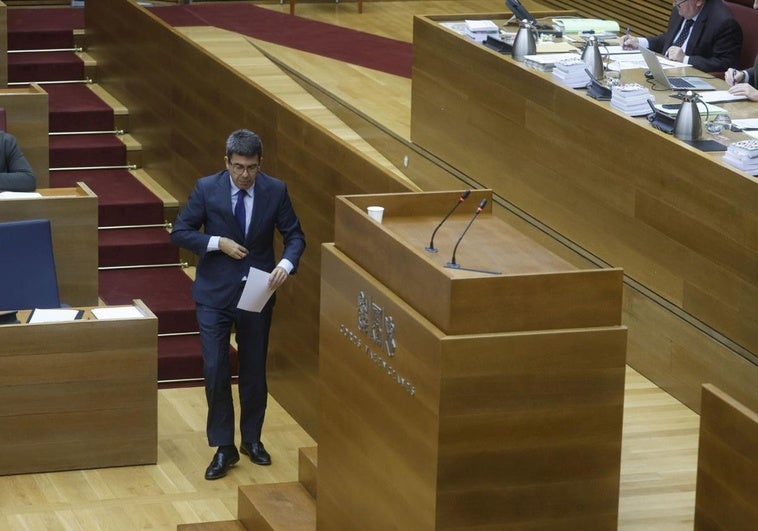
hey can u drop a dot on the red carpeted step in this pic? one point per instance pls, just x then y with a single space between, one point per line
44 66
139 246
22 39
165 290
72 151
74 107
40 29
44 20
180 358
122 199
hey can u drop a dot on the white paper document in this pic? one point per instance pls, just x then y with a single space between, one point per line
746 123
718 96
117 312
256 293
19 195
54 315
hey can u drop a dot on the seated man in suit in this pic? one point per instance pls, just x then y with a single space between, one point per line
16 174
702 33
744 82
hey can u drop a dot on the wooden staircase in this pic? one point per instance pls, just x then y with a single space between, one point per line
289 506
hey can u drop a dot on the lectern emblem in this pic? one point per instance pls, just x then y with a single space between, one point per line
379 327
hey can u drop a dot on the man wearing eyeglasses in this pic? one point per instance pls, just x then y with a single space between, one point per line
702 33
229 222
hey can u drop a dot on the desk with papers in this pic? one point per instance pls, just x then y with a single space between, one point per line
78 389
680 221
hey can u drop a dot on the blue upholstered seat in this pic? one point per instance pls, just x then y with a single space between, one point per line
27 266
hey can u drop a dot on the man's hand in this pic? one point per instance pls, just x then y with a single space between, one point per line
232 249
277 277
744 89
675 53
630 43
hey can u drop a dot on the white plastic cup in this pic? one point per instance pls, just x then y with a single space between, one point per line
376 213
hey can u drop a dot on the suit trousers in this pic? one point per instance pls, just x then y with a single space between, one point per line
252 346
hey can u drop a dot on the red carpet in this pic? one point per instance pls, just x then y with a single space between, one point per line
350 46
144 246
44 66
86 150
74 107
164 290
33 29
122 199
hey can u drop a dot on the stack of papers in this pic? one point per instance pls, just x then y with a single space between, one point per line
583 25
479 30
631 99
743 155
546 62
571 72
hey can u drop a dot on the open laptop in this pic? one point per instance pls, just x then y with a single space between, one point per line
673 83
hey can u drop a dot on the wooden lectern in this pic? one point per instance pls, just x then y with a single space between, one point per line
452 398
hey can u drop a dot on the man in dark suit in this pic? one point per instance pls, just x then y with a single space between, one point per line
238 210
744 82
16 174
702 33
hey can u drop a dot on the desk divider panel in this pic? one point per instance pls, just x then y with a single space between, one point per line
73 216
78 394
426 428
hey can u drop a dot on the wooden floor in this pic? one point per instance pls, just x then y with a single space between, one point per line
659 455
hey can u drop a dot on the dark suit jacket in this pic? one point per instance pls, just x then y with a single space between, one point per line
752 72
715 39
218 276
16 174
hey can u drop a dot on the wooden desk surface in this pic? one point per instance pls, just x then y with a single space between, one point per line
679 221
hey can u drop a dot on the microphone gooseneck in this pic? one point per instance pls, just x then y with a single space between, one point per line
461 199
452 262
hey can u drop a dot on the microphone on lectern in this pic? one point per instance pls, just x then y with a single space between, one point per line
479 209
461 199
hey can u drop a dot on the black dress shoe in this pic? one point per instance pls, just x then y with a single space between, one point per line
226 457
257 453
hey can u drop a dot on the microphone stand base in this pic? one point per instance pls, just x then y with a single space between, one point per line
453 265
431 249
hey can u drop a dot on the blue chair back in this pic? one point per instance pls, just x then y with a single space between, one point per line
27 266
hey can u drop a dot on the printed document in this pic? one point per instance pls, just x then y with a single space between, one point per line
256 293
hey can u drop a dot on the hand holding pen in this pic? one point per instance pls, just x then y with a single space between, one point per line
628 42
733 76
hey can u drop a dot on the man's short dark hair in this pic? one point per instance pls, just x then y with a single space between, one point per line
245 143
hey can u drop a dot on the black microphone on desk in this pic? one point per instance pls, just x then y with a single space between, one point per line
452 263
461 199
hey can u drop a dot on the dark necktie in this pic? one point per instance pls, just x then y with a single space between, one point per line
683 34
239 210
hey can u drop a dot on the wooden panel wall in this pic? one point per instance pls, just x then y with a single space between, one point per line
643 17
183 104
27 118
73 216
727 464
3 45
